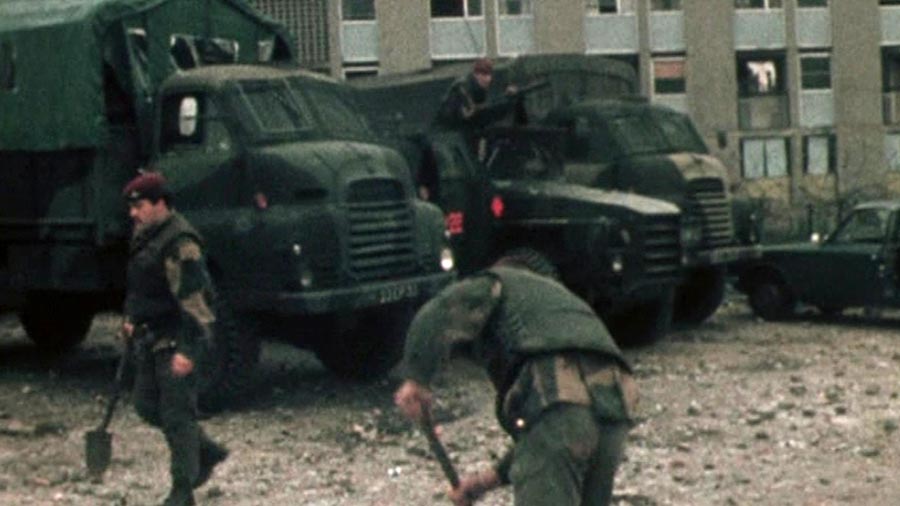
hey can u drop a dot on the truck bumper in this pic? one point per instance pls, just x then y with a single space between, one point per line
364 296
722 256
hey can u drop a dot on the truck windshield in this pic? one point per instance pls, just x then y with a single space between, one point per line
656 132
295 109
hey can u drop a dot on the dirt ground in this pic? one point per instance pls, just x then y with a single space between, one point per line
736 412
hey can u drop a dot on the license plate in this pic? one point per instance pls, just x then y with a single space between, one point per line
397 293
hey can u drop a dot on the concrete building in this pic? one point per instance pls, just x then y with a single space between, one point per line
800 98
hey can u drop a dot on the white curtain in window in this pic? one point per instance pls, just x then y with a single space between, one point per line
892 151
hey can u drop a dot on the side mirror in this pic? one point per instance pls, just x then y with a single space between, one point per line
187 116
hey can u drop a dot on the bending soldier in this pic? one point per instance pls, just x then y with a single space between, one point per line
564 390
167 310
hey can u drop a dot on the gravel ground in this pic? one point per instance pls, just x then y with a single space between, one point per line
736 412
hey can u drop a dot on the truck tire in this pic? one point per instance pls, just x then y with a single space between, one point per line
699 296
56 322
365 345
533 259
643 324
230 362
770 298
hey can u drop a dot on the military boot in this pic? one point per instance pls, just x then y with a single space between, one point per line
211 454
180 496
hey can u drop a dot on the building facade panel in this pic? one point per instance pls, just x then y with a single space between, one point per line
814 28
890 25
612 34
667 31
816 108
515 35
457 38
759 29
359 41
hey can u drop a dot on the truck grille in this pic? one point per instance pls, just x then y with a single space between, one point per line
708 204
381 231
662 248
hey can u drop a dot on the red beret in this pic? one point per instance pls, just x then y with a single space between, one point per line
483 66
148 185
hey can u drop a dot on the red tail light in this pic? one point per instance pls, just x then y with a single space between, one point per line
497 206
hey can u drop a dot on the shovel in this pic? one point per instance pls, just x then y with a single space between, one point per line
426 424
98 442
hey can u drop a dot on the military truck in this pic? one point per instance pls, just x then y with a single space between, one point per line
621 252
617 140
312 230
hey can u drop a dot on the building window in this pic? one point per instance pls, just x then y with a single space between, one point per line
761 75
455 8
890 68
515 7
757 4
668 75
358 10
812 3
892 150
815 72
818 154
609 6
665 5
762 158
889 2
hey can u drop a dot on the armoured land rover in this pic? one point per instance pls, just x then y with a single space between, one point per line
312 230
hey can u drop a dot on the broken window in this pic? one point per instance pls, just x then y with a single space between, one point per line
668 75
7 66
815 72
358 10
609 6
761 75
818 154
515 7
455 8
761 158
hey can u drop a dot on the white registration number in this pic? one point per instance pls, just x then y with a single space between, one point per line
397 293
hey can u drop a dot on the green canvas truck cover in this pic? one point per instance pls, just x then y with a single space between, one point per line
56 54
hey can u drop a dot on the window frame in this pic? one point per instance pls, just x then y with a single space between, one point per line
669 7
669 59
465 10
824 4
831 147
806 75
766 172
766 5
344 18
527 8
592 7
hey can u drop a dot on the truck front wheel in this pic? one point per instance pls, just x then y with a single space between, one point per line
367 344
643 324
699 296
230 362
56 322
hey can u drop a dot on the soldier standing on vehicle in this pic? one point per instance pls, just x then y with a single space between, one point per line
466 105
564 390
168 314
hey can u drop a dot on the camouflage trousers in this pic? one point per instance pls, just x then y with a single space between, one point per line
567 458
170 404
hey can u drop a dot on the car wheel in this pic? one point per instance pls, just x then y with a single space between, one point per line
228 367
699 296
770 299
643 324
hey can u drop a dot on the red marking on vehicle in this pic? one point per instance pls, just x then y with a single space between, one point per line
497 206
261 201
455 222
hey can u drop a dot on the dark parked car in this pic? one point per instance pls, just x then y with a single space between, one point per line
856 265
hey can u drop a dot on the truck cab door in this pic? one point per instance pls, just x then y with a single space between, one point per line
464 196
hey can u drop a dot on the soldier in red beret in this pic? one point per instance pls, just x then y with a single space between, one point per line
168 314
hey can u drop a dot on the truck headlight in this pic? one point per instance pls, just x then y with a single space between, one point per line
616 263
447 262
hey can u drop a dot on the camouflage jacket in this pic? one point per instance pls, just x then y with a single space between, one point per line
530 370
169 287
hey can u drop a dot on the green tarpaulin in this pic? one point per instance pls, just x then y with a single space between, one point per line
57 56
